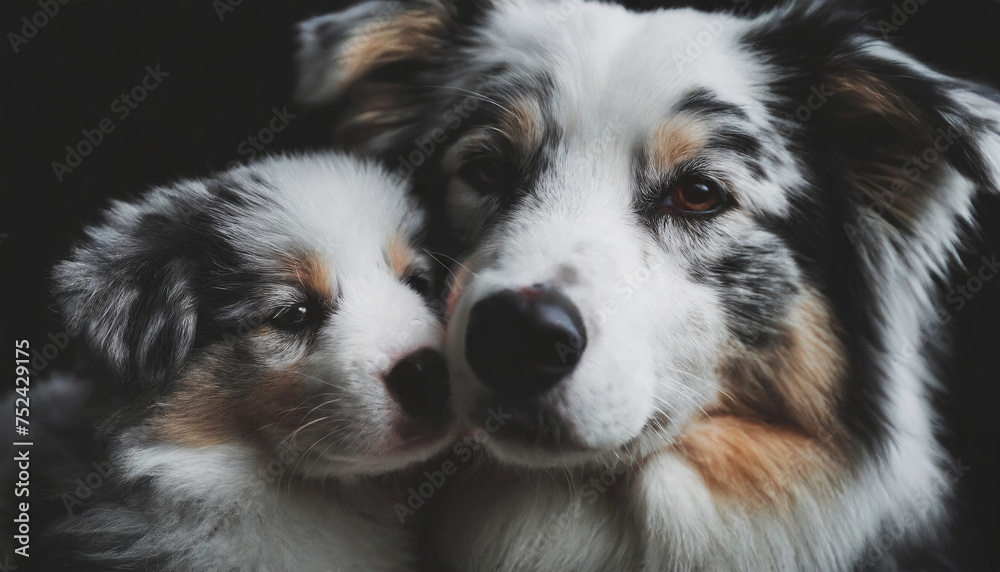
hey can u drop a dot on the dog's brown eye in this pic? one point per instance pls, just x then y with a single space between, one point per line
488 174
293 317
694 196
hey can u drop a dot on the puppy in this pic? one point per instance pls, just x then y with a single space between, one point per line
701 277
275 325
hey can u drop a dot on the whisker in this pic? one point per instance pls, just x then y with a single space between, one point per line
438 260
456 261
698 377
475 94
323 381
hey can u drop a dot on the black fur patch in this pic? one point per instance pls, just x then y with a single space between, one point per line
756 291
704 102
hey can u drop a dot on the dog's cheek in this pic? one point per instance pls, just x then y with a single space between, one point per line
795 378
773 428
199 412
280 399
223 400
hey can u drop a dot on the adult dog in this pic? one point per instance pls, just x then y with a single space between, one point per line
701 262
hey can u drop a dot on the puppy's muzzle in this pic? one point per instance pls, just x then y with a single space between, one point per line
522 342
420 382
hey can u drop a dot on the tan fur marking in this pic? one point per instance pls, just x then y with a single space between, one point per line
277 398
775 429
678 139
198 413
795 381
412 33
400 255
313 273
523 125
873 95
754 463
206 410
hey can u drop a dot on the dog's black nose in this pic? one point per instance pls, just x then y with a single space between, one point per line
521 343
420 381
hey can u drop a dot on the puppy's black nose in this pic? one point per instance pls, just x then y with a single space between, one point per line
420 381
521 343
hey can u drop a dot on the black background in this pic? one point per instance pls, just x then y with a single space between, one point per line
227 74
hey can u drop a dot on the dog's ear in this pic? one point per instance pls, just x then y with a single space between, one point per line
127 290
913 146
911 141
363 60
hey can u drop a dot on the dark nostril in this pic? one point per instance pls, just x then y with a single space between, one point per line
522 342
420 381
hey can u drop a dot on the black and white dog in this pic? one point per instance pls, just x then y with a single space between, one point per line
275 322
702 257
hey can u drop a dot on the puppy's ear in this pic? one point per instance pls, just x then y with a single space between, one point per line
364 59
127 290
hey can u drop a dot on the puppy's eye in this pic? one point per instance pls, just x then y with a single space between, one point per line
693 195
488 173
419 282
293 317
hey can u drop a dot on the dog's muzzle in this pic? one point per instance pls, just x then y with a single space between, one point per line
522 342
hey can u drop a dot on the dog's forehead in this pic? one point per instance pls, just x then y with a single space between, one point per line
636 65
675 83
335 212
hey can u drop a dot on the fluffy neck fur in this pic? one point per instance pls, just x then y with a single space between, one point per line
231 507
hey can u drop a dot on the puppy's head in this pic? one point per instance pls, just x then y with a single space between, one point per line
284 304
671 215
